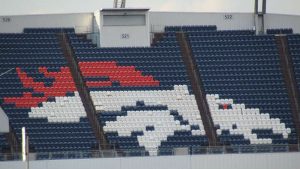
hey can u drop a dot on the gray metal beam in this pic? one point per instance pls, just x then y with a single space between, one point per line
256 7
264 6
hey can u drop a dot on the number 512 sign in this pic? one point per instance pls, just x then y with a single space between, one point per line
228 17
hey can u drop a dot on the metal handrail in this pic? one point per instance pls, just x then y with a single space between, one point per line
113 153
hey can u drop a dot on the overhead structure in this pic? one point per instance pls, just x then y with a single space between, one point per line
123 27
119 3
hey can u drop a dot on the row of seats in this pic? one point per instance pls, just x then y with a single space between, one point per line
138 51
48 30
229 52
28 45
30 50
280 31
194 37
241 43
190 28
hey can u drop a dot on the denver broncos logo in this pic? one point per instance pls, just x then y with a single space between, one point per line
159 113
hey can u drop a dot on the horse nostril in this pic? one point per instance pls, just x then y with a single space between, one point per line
234 126
149 128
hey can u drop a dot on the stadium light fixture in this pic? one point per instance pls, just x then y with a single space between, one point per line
119 3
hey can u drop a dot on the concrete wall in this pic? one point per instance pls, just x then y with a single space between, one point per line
124 36
282 21
221 161
223 20
91 22
82 22
4 123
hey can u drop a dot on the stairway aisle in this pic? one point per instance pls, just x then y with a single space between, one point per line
290 81
198 89
82 89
